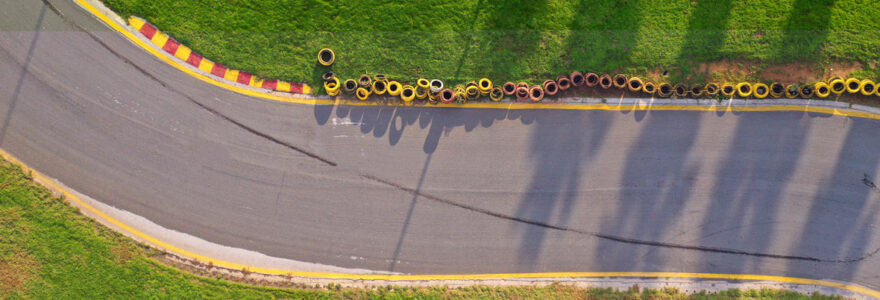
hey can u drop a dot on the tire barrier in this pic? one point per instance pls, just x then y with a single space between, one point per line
536 93
366 86
853 85
436 85
408 93
496 94
665 90
605 81
362 93
447 96
349 86
680 90
563 82
777 90
635 84
550 88
649 88
696 91
868 87
711 89
822 90
365 81
509 88
837 86
326 57
744 89
806 92
379 87
577 78
591 79
620 81
728 90
791 91
522 93
761 90
394 88
421 92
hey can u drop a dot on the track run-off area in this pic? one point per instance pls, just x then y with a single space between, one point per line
426 190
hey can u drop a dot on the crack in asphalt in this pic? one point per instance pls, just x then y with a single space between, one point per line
613 237
201 105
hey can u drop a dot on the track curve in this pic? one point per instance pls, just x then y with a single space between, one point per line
432 190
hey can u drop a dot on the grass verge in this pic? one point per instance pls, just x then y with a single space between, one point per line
50 251
680 41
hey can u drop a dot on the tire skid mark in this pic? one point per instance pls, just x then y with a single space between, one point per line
613 237
201 105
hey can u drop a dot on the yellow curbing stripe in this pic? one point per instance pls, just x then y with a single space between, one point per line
162 245
231 75
160 38
182 52
206 66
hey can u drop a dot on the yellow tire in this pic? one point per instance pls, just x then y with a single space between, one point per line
728 89
711 89
791 91
485 86
649 88
761 90
853 85
326 57
362 93
665 90
838 86
333 93
421 92
380 86
822 90
408 93
332 86
472 92
496 94
868 87
777 90
394 88
680 90
744 89
635 84
422 82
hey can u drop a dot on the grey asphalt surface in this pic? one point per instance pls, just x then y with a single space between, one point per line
430 190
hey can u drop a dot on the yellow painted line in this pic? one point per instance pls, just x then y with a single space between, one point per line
156 242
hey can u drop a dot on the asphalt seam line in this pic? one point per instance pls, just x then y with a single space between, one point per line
106 219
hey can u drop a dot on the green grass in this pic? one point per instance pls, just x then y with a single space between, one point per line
521 40
49 251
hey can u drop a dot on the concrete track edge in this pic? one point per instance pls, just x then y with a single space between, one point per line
283 269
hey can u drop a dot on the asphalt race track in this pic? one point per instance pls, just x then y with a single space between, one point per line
437 190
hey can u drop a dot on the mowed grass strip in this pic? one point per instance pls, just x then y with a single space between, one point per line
465 40
49 251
